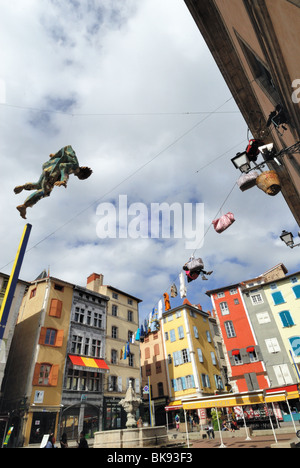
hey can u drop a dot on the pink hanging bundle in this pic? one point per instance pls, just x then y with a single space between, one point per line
221 224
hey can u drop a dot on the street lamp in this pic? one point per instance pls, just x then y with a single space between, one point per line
241 162
288 239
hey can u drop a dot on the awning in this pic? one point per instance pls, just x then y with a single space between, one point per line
235 352
88 364
174 405
250 349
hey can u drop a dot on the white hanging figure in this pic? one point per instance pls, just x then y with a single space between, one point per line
182 285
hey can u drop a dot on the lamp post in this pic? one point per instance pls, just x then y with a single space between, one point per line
288 239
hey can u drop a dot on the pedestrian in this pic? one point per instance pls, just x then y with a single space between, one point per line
177 421
63 441
140 422
83 442
51 442
210 430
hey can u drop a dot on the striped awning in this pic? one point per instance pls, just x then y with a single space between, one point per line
88 364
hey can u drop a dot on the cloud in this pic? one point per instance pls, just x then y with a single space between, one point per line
126 84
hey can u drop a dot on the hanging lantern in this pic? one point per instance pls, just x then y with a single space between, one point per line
269 182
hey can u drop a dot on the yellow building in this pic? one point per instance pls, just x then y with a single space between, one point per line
35 368
121 325
192 364
283 296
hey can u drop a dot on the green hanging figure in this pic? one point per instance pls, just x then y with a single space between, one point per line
56 171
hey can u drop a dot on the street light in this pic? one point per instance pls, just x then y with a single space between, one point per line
241 162
288 239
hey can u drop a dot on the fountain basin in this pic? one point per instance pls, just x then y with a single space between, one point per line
137 437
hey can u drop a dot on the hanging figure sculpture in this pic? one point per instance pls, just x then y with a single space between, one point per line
56 172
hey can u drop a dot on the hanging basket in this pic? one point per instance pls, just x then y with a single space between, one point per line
247 181
269 182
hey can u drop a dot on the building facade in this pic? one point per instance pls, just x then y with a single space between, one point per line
154 376
54 373
260 328
246 367
121 354
82 395
255 45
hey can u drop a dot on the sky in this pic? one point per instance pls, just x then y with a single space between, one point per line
132 86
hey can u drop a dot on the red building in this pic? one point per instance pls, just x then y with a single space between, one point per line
247 371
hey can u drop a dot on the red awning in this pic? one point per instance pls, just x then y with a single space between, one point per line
96 365
235 352
250 349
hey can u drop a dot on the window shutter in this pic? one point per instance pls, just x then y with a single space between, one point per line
156 350
59 338
277 298
120 384
42 335
53 377
36 374
296 290
55 308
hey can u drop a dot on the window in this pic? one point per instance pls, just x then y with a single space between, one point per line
224 308
237 358
256 299
44 374
50 337
263 317
296 290
252 354
147 353
170 318
208 336
196 334
131 360
233 291
115 295
286 319
114 332
189 381
114 310
156 350
283 375
220 295
236 301
32 293
129 301
218 382
278 298
273 286
205 381
229 328
160 389
178 314
130 316
114 356
158 367
295 344
200 355
186 356
76 344
87 347
58 287
213 358
79 315
294 279
130 336
273 345
96 348
172 336
180 333
166 336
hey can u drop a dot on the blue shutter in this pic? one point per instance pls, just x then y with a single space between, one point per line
193 381
278 298
183 383
172 336
296 290
286 318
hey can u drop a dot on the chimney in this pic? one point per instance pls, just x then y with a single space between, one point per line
94 282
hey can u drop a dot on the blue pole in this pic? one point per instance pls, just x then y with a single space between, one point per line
13 280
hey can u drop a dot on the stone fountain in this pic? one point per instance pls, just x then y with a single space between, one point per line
130 404
137 437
